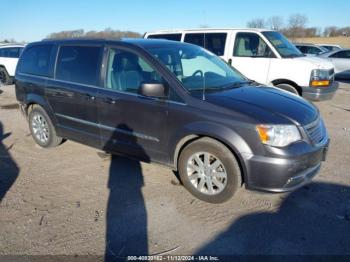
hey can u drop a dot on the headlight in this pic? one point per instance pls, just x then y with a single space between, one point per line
278 135
319 78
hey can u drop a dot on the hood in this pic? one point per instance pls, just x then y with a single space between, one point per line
319 62
268 104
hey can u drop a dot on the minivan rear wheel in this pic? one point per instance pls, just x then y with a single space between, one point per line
209 170
289 88
42 129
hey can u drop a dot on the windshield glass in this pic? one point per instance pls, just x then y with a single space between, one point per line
285 48
197 68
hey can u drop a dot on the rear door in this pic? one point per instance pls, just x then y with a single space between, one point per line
131 123
72 92
252 56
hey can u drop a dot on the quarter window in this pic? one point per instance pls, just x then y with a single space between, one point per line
79 64
36 60
251 45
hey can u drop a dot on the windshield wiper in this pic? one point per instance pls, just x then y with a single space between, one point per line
225 87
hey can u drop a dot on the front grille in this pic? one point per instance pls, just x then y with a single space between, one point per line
316 131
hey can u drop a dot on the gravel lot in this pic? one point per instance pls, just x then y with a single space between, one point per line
74 200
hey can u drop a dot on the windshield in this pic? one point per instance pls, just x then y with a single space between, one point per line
285 48
198 68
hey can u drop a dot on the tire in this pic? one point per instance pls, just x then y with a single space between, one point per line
192 175
42 129
289 88
5 79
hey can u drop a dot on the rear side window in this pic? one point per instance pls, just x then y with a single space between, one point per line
313 50
35 60
341 54
196 39
79 64
214 42
172 37
12 52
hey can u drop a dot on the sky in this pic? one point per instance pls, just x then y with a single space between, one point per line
32 20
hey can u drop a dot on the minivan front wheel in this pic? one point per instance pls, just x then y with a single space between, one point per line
42 129
209 170
4 77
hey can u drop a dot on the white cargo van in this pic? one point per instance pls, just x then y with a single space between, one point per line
9 55
264 56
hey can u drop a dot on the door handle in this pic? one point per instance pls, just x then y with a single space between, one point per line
109 100
89 97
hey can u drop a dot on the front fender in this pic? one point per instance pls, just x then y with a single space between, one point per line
217 131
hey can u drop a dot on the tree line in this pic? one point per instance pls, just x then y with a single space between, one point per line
108 33
296 27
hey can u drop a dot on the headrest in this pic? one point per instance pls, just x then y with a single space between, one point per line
125 62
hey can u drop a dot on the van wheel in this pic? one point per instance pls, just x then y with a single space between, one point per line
4 77
209 170
289 88
42 129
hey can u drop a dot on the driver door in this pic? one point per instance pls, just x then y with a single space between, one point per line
130 123
252 56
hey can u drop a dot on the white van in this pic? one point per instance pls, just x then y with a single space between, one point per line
9 55
264 56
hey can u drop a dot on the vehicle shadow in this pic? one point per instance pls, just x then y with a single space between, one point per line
126 218
8 168
314 220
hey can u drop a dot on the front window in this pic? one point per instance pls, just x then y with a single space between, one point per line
197 68
285 48
251 45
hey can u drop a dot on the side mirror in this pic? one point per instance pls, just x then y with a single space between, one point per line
153 89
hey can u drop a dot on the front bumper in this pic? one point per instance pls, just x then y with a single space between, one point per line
320 94
284 174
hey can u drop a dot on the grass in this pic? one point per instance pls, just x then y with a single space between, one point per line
339 40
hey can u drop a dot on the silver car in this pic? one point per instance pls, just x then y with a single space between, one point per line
341 62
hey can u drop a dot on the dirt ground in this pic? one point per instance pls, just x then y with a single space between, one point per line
73 200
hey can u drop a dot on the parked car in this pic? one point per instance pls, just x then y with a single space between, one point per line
264 56
172 103
311 49
330 47
9 55
341 61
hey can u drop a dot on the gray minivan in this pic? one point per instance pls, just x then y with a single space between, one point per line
172 103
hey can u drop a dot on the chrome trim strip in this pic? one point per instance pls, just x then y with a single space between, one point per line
101 88
113 129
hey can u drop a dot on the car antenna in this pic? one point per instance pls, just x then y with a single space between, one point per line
203 94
